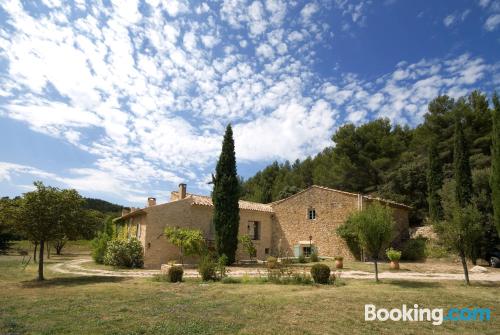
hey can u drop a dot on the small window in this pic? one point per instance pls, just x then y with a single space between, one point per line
266 251
311 214
254 230
306 251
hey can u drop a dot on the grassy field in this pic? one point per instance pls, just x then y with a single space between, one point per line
100 305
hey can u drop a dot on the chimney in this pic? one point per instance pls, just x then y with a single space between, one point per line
125 211
151 201
182 191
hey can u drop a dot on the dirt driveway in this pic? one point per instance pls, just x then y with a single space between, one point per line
75 267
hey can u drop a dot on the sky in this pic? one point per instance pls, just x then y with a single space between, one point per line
122 100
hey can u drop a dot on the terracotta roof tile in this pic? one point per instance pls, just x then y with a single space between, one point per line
203 200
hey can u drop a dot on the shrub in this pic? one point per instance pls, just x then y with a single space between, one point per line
221 266
207 268
302 259
320 273
435 250
414 249
314 257
393 254
99 246
272 262
124 253
175 273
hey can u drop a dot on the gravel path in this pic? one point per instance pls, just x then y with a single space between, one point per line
75 267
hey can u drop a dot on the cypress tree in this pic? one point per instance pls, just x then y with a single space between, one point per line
495 162
225 197
461 165
434 182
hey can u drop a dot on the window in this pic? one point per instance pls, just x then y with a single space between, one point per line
311 214
138 231
254 230
306 251
266 251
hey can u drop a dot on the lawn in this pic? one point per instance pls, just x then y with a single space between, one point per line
98 305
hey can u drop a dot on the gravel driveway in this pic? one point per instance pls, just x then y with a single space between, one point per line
75 267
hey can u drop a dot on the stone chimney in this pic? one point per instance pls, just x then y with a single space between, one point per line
151 201
125 211
182 191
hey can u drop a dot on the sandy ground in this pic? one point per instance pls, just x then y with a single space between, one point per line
75 267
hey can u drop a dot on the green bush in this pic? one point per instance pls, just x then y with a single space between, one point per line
207 268
393 254
302 259
435 250
272 262
320 273
314 257
125 253
175 273
99 246
414 249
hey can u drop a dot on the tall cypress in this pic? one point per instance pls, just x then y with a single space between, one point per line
225 197
434 182
461 165
495 162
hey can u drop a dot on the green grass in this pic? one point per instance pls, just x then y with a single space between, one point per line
67 304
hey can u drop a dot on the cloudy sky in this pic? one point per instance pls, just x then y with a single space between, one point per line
125 99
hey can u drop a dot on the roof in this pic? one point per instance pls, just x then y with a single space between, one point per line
204 200
129 215
390 202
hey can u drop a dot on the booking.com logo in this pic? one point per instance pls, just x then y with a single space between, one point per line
436 315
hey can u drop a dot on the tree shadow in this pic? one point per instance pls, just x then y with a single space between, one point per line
71 281
413 284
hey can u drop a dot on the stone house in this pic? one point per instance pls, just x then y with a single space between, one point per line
294 226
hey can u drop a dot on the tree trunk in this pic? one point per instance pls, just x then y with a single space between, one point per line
59 247
34 251
48 250
376 270
464 265
40 261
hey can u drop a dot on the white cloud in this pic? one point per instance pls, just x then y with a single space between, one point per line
265 50
308 11
492 22
175 7
449 20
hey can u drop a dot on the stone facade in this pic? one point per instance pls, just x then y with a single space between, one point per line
284 227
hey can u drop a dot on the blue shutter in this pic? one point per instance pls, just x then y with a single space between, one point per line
297 250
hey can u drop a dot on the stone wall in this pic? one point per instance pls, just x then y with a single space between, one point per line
293 225
182 213
332 209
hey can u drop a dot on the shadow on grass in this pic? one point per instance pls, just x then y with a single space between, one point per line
413 284
71 281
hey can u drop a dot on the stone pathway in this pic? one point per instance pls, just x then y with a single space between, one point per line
75 267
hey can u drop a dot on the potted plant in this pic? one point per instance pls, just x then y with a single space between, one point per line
394 256
339 262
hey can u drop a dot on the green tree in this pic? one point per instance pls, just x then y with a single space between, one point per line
461 232
46 213
495 162
189 241
434 183
461 165
225 197
374 227
7 210
247 244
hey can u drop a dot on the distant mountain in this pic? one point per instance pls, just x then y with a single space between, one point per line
102 206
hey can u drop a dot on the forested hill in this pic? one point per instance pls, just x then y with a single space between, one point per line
101 206
388 161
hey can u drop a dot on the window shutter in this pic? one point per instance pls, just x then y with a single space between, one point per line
296 250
